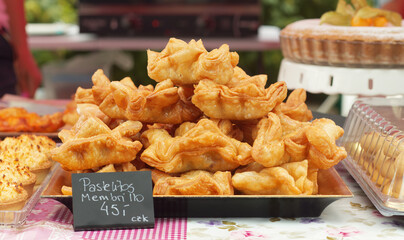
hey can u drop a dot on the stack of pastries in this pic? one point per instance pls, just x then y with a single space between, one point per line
24 163
206 128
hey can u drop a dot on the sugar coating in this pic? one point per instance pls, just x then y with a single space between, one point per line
312 28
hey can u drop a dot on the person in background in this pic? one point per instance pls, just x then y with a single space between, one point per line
19 73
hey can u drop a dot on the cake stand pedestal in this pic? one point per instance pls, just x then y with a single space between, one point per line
350 82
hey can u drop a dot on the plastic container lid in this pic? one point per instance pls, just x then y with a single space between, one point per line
374 142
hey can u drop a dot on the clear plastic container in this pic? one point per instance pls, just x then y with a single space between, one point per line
374 141
17 218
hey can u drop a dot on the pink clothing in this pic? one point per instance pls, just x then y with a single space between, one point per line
3 15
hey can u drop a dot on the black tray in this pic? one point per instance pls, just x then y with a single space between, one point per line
331 188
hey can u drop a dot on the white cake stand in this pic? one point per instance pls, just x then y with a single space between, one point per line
350 82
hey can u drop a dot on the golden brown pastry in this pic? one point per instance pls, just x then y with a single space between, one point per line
66 190
101 86
196 182
269 148
296 145
228 128
323 152
83 95
295 106
189 63
12 196
14 172
203 147
162 104
286 179
70 115
91 144
243 100
313 141
183 128
126 167
31 151
123 100
107 168
290 125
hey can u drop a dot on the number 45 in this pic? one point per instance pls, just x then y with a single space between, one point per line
114 209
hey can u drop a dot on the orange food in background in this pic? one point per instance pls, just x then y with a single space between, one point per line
16 119
380 21
367 22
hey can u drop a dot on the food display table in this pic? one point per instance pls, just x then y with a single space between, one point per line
348 218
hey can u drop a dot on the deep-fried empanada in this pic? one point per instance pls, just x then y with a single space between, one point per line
189 63
230 129
241 101
91 144
269 148
162 104
323 152
203 147
295 106
83 95
196 182
123 100
287 179
290 125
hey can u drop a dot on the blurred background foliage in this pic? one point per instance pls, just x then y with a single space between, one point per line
274 12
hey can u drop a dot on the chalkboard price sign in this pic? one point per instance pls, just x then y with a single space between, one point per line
112 200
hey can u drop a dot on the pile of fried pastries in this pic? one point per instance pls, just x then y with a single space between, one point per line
16 119
206 128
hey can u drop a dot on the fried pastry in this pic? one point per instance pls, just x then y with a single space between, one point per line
123 100
243 100
183 128
17 119
251 167
107 168
158 175
226 126
101 86
296 145
103 97
187 64
66 190
230 129
162 104
203 147
88 108
196 182
323 152
268 148
286 179
290 125
295 106
83 95
70 115
126 167
91 144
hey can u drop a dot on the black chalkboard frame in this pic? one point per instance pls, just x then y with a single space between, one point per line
116 200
